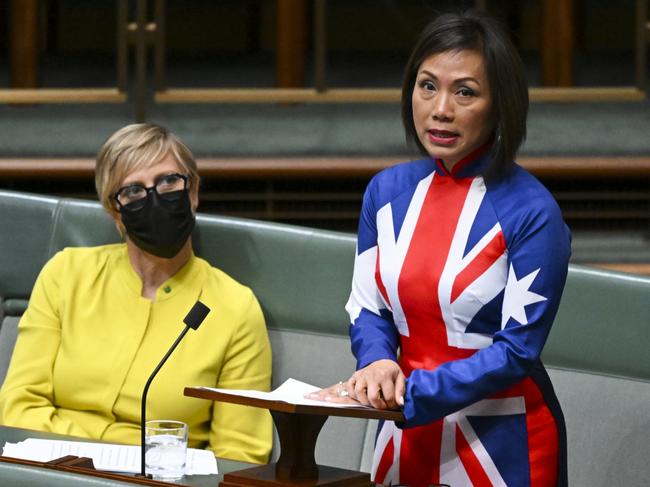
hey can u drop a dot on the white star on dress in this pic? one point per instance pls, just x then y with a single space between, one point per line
517 296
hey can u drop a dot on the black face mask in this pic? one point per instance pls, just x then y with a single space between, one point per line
162 225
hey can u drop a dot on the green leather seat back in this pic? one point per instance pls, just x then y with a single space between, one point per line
603 324
301 276
80 224
608 427
34 228
27 222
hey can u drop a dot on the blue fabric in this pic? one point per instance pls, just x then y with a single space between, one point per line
533 227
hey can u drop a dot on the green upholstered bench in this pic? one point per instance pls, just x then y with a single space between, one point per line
300 276
597 354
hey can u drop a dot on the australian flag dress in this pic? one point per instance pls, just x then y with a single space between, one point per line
458 279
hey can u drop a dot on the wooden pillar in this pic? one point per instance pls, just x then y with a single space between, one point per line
642 39
558 42
24 44
320 45
140 60
291 43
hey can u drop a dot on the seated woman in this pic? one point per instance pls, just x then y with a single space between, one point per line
99 319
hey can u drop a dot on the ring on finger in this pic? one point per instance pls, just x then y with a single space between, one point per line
341 391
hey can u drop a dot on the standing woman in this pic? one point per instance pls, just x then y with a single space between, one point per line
100 318
461 261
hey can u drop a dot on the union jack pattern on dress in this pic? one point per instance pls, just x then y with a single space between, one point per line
459 280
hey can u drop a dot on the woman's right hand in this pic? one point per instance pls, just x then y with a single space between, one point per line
380 384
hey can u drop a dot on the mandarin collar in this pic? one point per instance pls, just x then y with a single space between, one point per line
473 164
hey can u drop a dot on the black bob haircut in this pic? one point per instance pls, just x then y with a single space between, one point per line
478 32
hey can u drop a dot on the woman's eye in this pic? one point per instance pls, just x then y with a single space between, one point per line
131 191
466 92
169 179
427 85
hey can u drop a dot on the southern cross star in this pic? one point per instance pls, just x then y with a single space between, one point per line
517 296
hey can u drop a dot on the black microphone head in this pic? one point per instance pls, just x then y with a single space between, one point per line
196 315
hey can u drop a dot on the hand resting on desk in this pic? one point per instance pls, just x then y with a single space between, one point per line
380 385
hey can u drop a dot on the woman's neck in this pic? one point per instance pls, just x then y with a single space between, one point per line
153 270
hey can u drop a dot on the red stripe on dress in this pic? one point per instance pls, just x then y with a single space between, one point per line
541 430
481 263
385 463
473 467
420 470
542 438
380 283
423 264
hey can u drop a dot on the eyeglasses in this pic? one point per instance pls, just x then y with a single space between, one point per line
135 195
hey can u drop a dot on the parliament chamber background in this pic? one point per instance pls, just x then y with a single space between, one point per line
292 105
281 146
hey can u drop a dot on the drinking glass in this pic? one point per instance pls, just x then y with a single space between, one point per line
165 449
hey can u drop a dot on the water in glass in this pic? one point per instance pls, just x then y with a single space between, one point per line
165 452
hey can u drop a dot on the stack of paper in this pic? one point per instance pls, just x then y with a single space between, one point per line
109 457
291 391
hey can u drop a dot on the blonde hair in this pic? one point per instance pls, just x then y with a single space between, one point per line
134 147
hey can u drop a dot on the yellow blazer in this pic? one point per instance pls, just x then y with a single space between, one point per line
88 342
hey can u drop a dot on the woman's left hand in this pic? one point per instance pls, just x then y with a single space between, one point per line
380 385
337 393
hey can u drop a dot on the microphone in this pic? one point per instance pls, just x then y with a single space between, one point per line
193 320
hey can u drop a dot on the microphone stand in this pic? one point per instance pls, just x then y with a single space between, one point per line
143 414
193 320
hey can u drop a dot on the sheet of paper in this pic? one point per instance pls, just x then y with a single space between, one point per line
292 391
109 457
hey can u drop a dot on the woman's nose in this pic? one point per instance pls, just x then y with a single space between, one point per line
442 107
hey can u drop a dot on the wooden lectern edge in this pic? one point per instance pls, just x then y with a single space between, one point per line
349 412
298 427
72 464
